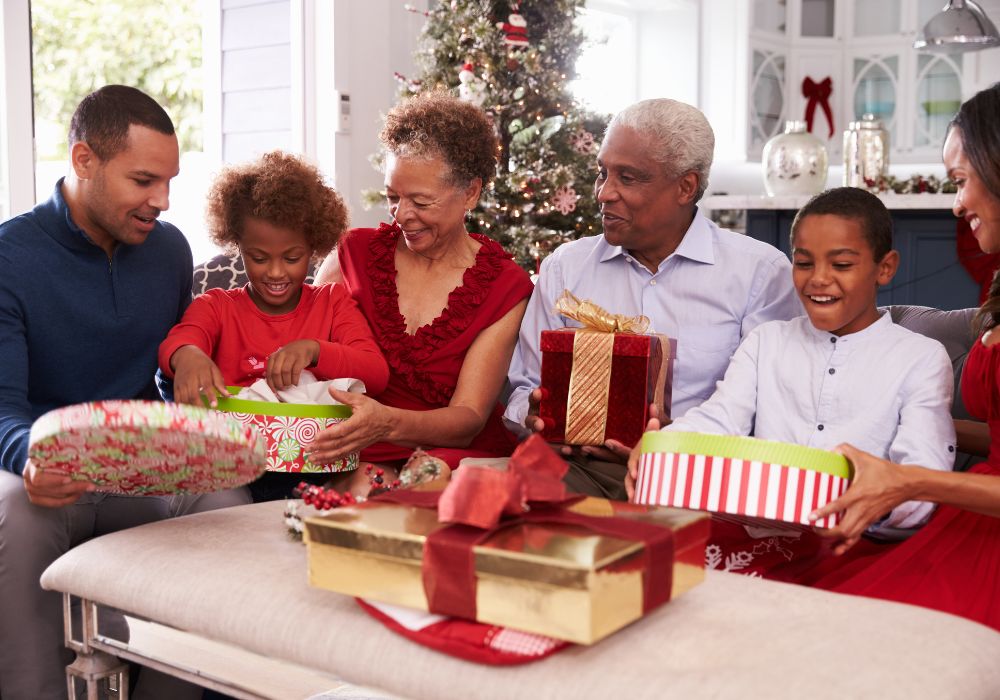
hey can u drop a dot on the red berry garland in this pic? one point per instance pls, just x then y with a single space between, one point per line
323 499
377 479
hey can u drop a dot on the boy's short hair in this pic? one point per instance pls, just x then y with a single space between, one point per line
102 119
281 189
857 204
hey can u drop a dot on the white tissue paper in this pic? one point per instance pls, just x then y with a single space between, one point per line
309 390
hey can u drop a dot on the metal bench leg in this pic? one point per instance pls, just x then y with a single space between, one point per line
106 676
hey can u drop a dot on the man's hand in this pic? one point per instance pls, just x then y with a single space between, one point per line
195 376
52 489
286 364
532 421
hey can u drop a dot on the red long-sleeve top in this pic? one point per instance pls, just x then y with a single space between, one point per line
239 337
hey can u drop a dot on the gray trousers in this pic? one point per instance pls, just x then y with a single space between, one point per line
32 654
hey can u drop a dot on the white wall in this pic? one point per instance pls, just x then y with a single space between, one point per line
256 54
371 39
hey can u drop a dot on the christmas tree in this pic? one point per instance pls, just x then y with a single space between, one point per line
515 60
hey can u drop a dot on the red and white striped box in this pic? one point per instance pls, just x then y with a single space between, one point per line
740 476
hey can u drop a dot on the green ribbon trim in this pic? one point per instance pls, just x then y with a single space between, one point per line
268 408
747 448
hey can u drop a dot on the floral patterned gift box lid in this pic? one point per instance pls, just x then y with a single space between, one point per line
147 448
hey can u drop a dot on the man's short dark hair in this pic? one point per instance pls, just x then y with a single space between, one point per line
102 119
857 204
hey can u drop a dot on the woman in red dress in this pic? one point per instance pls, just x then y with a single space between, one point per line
953 563
444 305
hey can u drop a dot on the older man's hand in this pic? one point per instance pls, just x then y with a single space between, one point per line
532 421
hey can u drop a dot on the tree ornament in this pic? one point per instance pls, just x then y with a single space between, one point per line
471 89
515 29
466 40
564 200
582 141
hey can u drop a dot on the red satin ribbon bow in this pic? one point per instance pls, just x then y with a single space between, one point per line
529 491
818 93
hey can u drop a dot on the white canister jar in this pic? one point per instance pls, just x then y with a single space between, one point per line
794 162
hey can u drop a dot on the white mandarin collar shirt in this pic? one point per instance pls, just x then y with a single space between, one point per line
884 389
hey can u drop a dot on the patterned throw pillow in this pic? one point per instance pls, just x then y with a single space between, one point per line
226 271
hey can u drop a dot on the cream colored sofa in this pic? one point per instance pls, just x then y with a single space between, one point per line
234 583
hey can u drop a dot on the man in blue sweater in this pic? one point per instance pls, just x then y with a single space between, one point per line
91 282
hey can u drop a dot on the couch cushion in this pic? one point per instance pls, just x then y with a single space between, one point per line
235 576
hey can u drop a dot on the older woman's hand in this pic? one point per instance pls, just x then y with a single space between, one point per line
369 423
878 486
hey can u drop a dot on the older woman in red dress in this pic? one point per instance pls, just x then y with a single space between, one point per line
444 305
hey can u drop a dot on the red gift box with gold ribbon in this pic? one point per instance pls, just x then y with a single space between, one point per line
598 382
509 547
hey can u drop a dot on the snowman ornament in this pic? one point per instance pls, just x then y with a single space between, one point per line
470 88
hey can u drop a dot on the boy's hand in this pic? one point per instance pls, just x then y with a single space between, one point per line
286 364
633 458
195 376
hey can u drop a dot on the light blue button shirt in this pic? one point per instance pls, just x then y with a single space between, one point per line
709 293
885 389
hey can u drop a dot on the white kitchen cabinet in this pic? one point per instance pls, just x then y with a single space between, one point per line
866 48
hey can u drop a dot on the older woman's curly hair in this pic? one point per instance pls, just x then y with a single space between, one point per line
282 190
438 124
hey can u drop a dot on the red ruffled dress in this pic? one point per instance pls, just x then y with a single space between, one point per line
952 564
424 366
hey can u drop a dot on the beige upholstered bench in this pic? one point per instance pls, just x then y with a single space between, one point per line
221 598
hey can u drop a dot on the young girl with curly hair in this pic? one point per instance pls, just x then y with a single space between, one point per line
278 213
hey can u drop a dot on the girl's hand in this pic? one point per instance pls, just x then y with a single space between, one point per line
878 486
196 376
286 364
370 422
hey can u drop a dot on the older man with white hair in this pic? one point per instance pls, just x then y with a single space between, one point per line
658 257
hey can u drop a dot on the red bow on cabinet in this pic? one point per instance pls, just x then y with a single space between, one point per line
818 93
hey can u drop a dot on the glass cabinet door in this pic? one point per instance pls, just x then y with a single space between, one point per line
883 17
876 80
818 17
767 90
939 95
770 16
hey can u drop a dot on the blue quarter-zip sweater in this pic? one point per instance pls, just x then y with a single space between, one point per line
76 326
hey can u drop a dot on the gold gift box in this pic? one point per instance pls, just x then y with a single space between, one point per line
557 580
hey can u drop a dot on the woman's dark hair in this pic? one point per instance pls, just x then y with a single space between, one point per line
978 121
437 123
102 119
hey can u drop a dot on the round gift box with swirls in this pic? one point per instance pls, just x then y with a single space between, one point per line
740 476
288 428
147 448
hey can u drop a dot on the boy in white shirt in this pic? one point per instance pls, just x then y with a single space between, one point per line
844 372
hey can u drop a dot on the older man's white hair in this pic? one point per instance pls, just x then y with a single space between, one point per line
682 138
